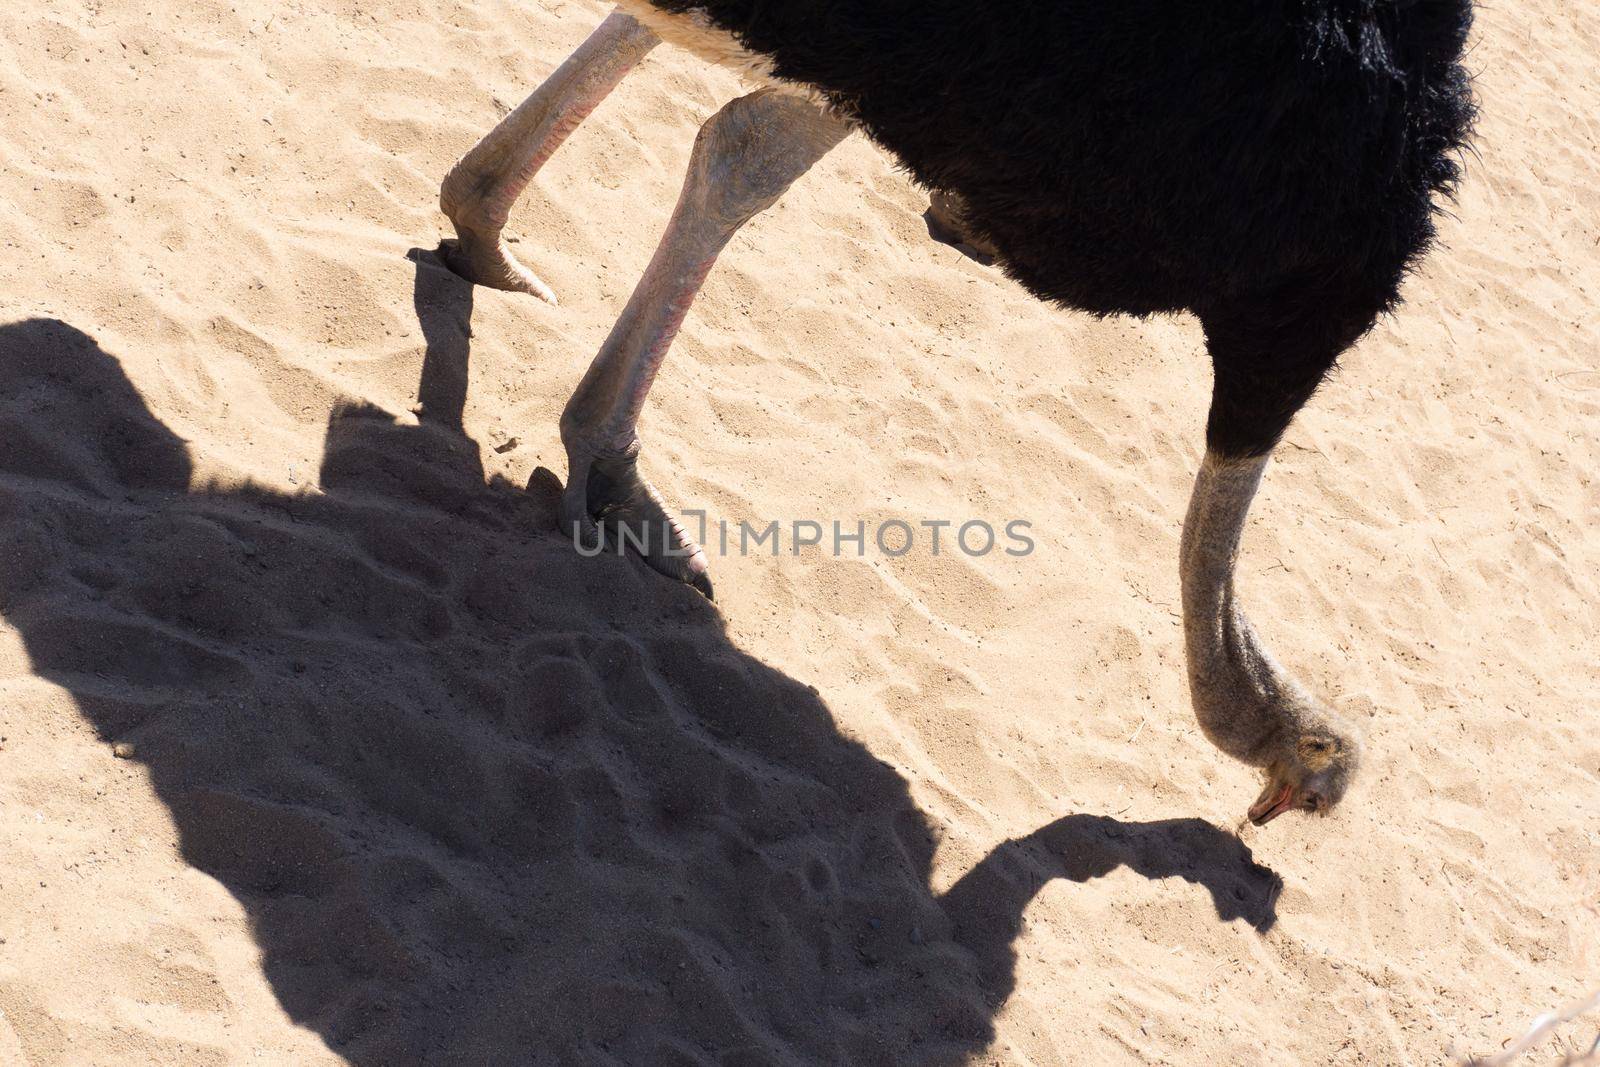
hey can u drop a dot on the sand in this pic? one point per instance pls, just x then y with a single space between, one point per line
402 779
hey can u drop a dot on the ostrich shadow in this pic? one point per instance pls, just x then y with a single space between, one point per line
485 801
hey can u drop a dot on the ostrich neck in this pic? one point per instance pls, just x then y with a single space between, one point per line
1247 706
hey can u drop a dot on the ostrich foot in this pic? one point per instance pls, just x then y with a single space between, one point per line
480 256
607 505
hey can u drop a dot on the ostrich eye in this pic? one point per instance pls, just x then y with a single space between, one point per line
1319 752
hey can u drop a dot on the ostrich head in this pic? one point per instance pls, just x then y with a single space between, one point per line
1311 775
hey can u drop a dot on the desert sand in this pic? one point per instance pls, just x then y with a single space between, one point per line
318 745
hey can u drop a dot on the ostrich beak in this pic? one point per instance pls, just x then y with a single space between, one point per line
1276 800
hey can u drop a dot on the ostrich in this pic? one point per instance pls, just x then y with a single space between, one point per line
1272 168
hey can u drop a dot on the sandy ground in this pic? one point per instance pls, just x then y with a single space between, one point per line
410 782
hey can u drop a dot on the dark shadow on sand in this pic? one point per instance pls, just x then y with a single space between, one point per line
485 801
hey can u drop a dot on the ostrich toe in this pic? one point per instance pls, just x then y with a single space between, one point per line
608 506
482 258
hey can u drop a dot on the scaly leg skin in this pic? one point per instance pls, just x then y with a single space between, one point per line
479 192
744 158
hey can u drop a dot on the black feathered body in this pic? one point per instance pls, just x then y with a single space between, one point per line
1270 165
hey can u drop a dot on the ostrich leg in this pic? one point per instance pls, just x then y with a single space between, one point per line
479 191
744 158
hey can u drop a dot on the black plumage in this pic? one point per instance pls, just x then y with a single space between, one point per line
1271 165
